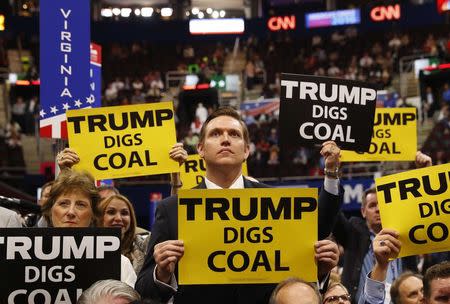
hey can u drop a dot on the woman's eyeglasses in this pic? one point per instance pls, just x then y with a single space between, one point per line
337 299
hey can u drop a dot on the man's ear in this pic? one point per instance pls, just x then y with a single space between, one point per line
247 152
363 212
200 151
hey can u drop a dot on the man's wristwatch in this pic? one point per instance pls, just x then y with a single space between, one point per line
332 173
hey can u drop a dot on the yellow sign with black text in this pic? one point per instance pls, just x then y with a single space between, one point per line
194 169
416 203
123 141
394 137
247 236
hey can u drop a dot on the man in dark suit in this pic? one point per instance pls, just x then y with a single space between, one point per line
356 235
224 145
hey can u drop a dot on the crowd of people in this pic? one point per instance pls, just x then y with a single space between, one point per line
343 53
356 257
371 273
136 73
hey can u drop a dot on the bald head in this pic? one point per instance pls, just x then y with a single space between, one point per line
295 291
114 300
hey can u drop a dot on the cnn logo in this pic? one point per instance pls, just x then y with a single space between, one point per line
281 23
383 13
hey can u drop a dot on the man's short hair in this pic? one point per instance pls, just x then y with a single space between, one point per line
291 281
438 271
367 192
225 111
395 287
106 289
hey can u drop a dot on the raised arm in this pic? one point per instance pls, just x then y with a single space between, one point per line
156 280
386 246
331 194
179 154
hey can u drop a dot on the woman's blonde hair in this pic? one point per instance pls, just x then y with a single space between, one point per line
128 237
70 182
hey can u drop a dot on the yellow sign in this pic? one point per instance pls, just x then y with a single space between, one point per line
394 137
2 22
416 203
194 169
246 236
115 142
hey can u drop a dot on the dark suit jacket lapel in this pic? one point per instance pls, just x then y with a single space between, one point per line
202 185
247 183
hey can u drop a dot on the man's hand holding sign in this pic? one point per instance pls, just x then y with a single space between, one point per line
167 254
422 160
386 246
326 257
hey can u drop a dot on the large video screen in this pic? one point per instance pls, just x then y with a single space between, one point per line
333 18
216 26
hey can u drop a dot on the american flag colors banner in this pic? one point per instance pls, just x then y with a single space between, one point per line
257 107
64 65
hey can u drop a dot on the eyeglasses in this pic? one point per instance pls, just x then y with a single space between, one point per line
337 299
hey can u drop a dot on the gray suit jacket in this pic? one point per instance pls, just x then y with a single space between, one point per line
9 219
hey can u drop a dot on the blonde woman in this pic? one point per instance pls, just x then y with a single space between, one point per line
117 211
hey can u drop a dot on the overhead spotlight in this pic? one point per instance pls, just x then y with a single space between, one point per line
106 12
215 14
146 12
222 13
137 11
188 14
195 10
116 11
125 12
166 11
209 10
201 15
25 7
